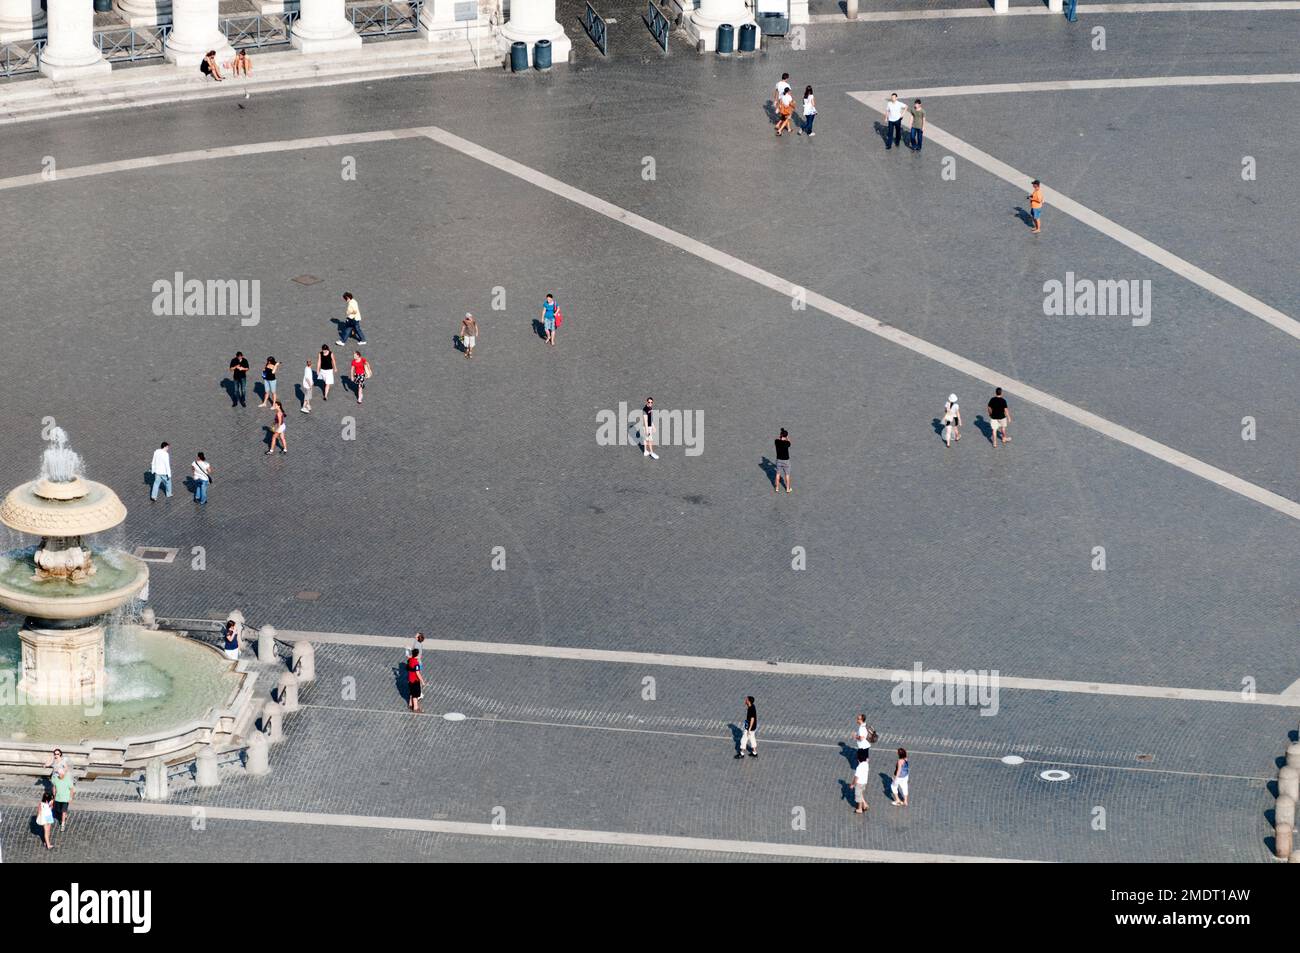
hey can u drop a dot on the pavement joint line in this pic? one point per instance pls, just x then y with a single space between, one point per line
1083 9
1148 249
802 744
1078 85
813 669
736 266
556 834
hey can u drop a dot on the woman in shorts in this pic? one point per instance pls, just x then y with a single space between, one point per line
268 381
325 368
45 816
277 429
951 420
899 785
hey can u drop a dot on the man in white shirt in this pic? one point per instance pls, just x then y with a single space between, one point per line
894 110
782 87
161 468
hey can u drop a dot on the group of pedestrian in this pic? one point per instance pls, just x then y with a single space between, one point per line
999 419
160 466
895 108
55 805
786 113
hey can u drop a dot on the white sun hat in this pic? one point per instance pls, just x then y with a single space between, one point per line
952 398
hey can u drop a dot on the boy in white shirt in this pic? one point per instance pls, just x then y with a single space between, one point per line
308 384
861 778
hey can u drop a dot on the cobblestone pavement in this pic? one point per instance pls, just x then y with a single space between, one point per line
962 558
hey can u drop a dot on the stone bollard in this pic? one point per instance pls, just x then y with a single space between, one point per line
1055 6
1284 812
851 9
266 644
1001 6
236 616
271 727
1282 841
286 692
1293 755
206 774
155 780
148 618
1288 782
304 662
257 758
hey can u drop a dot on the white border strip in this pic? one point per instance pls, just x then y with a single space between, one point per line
759 666
556 834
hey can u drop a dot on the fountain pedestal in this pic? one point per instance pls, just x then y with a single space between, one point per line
62 664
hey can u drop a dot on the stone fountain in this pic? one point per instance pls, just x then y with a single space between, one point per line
80 671
71 586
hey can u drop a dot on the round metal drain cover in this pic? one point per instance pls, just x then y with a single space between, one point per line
453 716
1054 774
1013 759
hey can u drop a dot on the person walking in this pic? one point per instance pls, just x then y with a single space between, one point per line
202 473
809 110
899 785
648 429
360 372
861 778
999 417
894 117
277 429
308 385
416 643
549 308
468 334
45 816
351 321
951 420
749 731
64 789
785 110
161 468
269 381
864 736
230 640
917 137
325 368
414 680
782 87
239 374
782 461
57 762
1036 206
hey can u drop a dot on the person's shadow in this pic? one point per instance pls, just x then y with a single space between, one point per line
259 390
270 436
984 427
769 468
400 682
736 735
148 480
340 328
937 424
300 393
846 793
231 390
769 107
1024 216
457 343
539 328
850 754
885 781
882 130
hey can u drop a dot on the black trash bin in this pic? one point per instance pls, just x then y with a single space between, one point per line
726 38
103 6
518 56
542 54
748 37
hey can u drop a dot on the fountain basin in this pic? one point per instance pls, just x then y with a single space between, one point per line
118 579
41 508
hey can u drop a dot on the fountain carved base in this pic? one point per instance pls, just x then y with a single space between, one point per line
62 665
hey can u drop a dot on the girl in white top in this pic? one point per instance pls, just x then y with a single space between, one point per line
809 110
951 420
308 384
202 473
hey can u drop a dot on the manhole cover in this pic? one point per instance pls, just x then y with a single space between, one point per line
307 280
1055 774
155 554
307 596
453 716
1013 759
1146 757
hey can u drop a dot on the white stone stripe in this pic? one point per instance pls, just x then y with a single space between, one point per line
745 270
1083 9
815 670
875 98
943 356
1057 201
563 835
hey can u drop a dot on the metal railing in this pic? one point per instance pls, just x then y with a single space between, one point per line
23 56
129 44
257 30
385 19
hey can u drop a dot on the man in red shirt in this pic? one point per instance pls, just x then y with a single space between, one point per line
414 681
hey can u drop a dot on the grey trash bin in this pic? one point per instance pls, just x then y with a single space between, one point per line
748 38
726 38
542 54
518 56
